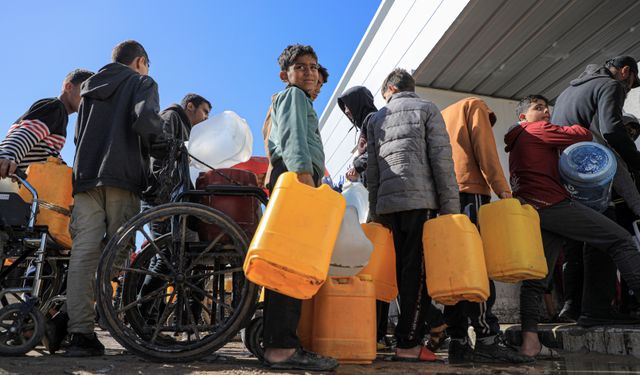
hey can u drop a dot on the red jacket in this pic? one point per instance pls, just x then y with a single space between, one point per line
534 149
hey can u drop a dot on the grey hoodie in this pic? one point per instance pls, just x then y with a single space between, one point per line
118 120
596 93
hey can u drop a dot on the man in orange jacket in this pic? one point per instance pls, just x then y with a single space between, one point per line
478 171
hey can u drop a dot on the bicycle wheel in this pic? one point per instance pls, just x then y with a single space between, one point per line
192 300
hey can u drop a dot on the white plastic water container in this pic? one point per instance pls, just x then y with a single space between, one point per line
357 196
222 141
8 186
353 249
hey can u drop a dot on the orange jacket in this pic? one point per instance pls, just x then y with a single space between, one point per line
475 157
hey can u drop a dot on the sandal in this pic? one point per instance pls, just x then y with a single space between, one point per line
302 360
425 355
546 353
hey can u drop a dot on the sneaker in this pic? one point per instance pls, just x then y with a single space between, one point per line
303 360
84 345
55 331
460 351
438 341
568 313
498 352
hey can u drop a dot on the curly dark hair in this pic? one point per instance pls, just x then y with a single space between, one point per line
324 73
292 52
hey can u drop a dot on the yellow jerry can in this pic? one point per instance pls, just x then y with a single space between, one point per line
382 263
454 260
291 249
512 241
344 319
52 181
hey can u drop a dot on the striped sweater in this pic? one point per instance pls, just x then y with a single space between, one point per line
36 135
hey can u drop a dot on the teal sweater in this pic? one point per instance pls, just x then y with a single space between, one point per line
295 137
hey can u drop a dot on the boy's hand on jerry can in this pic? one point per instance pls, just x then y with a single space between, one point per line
505 195
306 179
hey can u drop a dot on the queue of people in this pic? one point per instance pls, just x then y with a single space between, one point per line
412 135
416 161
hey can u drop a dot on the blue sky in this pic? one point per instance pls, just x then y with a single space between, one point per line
223 50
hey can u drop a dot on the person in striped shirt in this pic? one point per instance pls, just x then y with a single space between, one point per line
41 132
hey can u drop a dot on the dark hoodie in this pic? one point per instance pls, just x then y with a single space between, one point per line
162 180
595 100
117 122
533 149
359 100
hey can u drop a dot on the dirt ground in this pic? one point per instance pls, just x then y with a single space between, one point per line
235 359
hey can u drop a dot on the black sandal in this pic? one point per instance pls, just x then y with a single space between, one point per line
303 360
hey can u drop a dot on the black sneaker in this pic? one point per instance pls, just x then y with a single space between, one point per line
303 360
460 351
84 345
55 331
498 352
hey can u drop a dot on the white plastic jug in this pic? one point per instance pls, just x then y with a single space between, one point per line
8 186
352 249
357 196
222 141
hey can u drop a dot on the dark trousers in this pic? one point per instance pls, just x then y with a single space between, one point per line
458 316
382 316
410 275
590 277
281 313
571 220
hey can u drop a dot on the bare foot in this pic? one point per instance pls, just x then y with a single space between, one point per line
531 345
275 355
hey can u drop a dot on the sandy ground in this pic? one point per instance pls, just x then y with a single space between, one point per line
235 359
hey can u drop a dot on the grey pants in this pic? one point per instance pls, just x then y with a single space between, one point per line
571 220
97 214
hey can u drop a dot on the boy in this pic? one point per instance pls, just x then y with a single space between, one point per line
179 119
323 77
478 171
42 131
410 178
357 104
533 146
117 122
294 144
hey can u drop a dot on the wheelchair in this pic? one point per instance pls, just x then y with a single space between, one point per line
183 295
33 269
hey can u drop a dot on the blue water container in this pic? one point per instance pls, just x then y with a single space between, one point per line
587 171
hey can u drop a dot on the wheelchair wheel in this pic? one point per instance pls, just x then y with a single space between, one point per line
181 298
21 328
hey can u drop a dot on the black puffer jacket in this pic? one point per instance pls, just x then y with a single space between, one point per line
118 120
